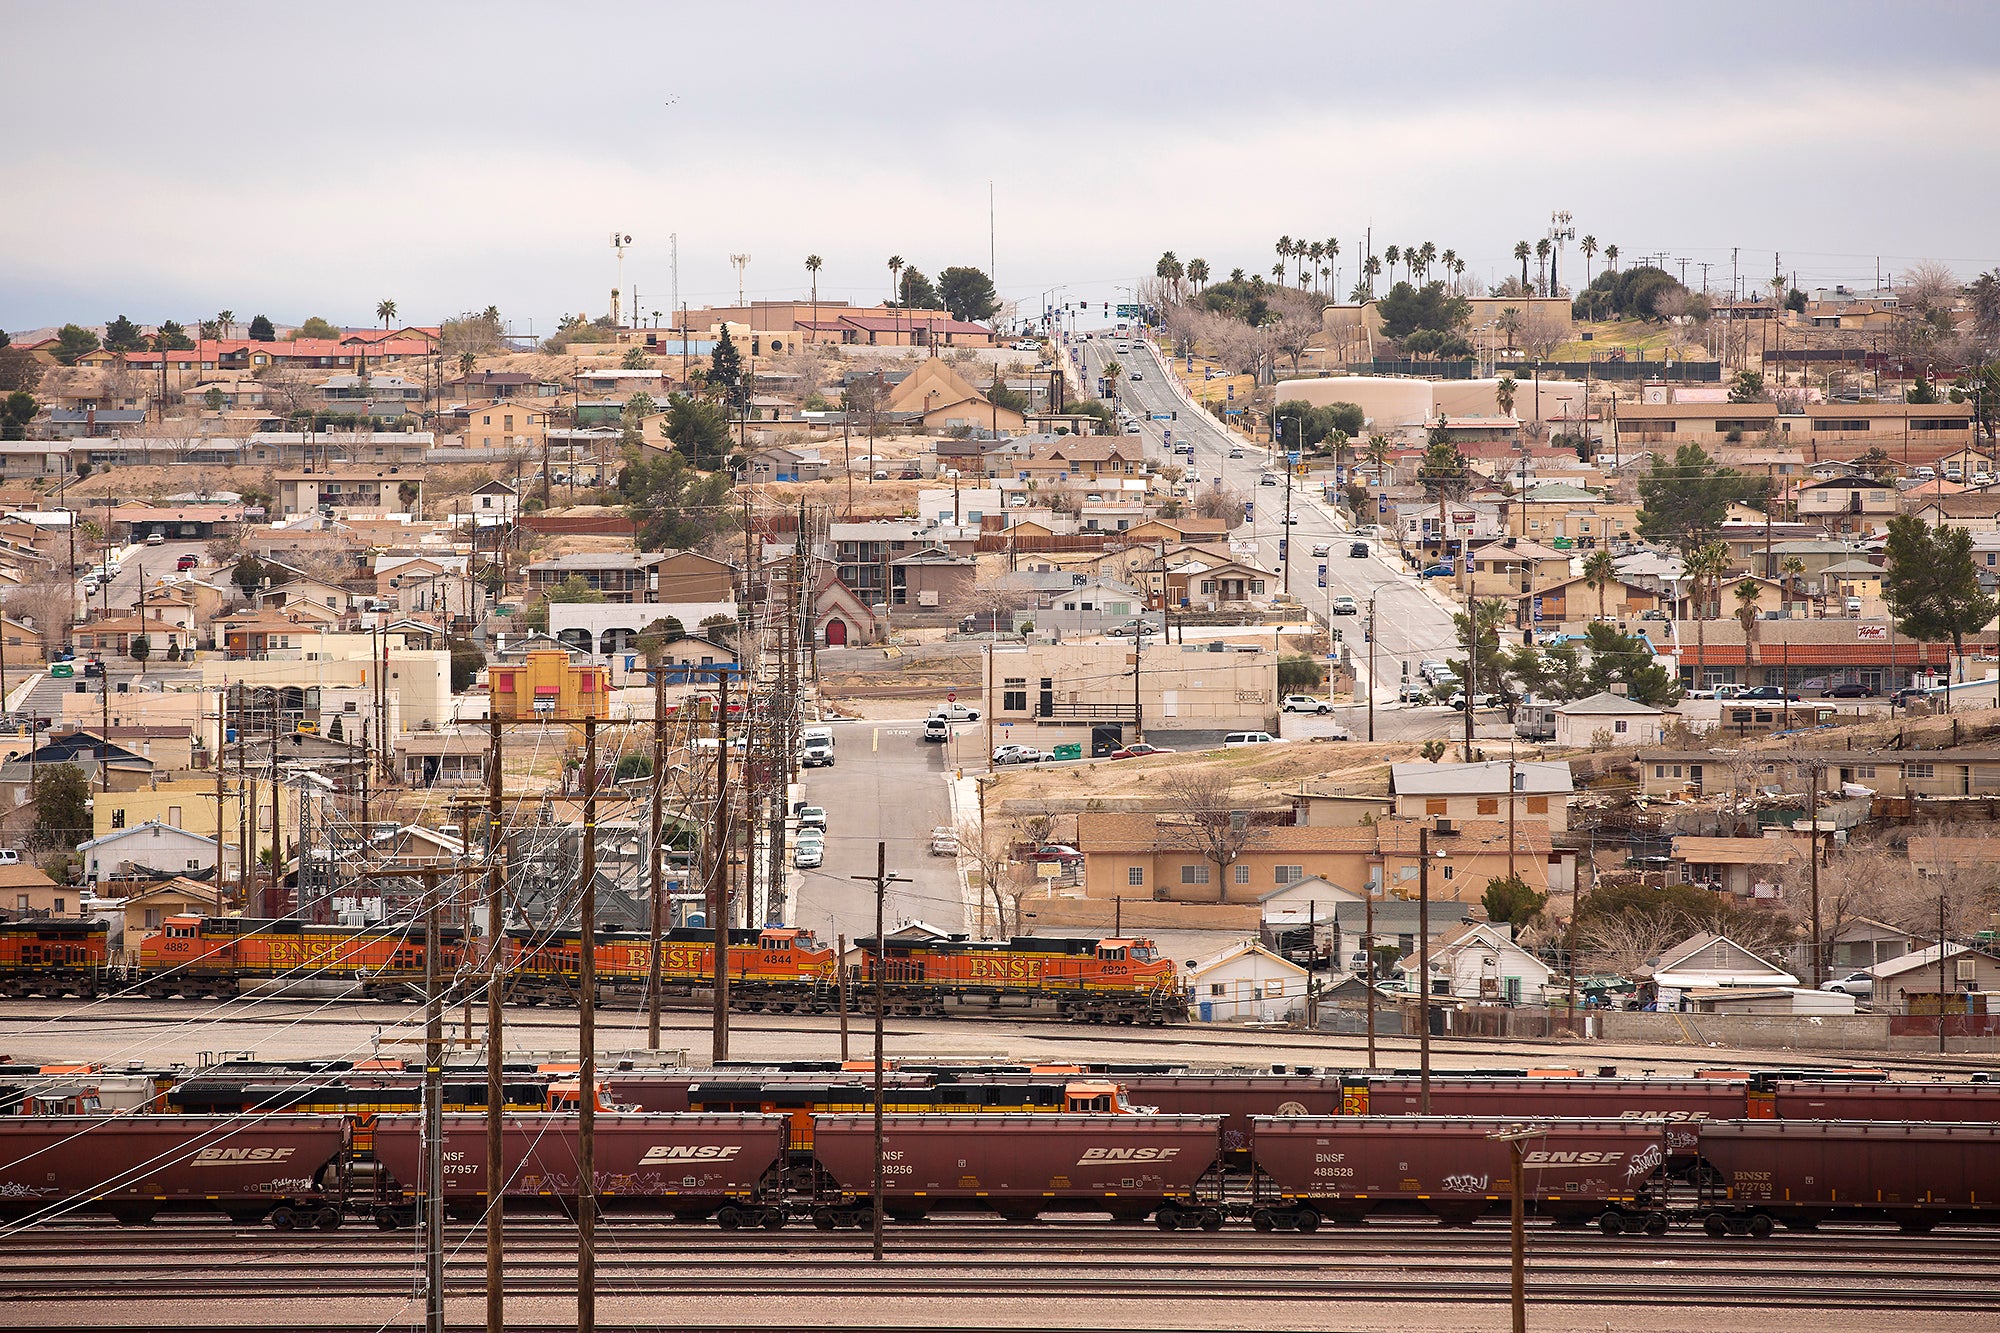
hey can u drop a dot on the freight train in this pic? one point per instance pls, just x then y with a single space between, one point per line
1083 979
296 1171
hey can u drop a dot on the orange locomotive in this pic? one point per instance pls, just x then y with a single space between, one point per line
1082 979
209 956
54 958
778 969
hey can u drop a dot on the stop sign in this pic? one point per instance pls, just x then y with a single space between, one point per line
951 698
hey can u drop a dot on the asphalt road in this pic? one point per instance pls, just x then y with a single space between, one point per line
887 784
1410 627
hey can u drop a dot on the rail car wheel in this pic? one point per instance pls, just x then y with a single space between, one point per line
1211 1219
1918 1225
729 1219
385 1219
824 1219
1656 1224
327 1219
1262 1220
1716 1225
864 1218
1167 1219
283 1219
1307 1220
1761 1226
773 1219
1611 1223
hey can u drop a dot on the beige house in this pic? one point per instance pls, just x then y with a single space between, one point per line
509 424
1828 430
1208 583
937 397
1745 867
1514 568
1848 504
1889 773
1541 791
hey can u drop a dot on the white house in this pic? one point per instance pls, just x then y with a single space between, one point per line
151 850
1917 974
1484 964
1704 962
1246 983
1541 790
1625 721
1089 608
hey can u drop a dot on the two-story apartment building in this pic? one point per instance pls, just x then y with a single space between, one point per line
864 554
1848 505
1539 789
1825 430
639 576
1180 687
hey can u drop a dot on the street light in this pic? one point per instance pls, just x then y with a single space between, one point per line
1514 1136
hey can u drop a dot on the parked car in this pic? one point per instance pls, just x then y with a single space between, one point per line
812 816
1132 627
1304 703
156 539
1357 550
944 842
1652 615
186 562
809 855
1017 754
1236 738
1858 984
1056 851
1139 751
1768 692
1344 605
1908 695
1852 689
1436 572
1457 700
1413 694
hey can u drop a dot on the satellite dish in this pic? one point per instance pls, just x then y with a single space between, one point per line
628 240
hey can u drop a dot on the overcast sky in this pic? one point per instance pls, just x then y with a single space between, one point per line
165 161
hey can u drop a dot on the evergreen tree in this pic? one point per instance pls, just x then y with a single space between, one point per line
122 335
725 364
262 330
1932 584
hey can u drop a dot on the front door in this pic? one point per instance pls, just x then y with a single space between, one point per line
836 633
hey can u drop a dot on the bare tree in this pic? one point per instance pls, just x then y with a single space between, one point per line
1293 335
1219 502
988 847
1205 819
47 603
1627 942
1541 333
1948 870
1852 885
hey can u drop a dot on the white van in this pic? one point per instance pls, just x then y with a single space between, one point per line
1236 738
9 857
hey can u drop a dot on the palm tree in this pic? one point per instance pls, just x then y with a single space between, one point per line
1112 370
1457 271
1704 566
385 311
895 277
1332 253
1542 265
1284 253
1450 261
1278 270
1510 322
812 270
1521 252
1372 269
1794 569
467 363
1392 255
1314 250
1599 571
1611 257
1746 616
227 320
1378 454
1589 248
1427 254
1197 271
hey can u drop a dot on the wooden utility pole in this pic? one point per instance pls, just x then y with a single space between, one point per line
586 1049
657 916
221 739
433 1113
496 1053
1369 926
882 880
718 877
1424 970
840 976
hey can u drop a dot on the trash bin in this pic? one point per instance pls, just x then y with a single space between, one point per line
1207 1012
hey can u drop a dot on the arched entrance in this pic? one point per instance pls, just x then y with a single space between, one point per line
836 633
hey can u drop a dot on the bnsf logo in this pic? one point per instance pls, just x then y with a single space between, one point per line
1663 1115
689 1152
224 1156
1571 1158
1127 1155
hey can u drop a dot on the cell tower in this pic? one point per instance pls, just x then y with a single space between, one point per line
741 262
619 240
1560 230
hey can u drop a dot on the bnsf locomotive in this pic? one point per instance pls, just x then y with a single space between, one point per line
779 970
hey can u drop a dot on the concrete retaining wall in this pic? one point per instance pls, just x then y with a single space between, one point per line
1138 915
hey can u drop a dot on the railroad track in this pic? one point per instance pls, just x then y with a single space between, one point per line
77 1267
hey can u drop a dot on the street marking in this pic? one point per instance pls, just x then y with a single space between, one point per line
874 739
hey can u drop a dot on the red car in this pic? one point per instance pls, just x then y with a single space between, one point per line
1056 851
186 562
1139 751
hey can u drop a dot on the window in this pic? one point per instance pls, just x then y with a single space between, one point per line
1659 770
1274 988
1617 726
1538 805
117 819
1218 988
1449 872
1434 807
1864 770
1135 876
61 906
1288 874
1194 874
1489 805
1242 874
1256 587
1721 955
1919 770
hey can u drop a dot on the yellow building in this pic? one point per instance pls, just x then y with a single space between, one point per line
181 805
548 684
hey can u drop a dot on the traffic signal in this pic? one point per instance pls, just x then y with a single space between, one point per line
1107 307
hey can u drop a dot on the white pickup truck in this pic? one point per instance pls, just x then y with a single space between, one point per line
955 712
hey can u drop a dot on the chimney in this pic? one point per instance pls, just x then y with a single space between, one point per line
1620 688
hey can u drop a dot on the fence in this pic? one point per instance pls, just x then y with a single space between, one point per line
1636 369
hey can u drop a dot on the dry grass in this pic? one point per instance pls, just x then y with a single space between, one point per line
1259 775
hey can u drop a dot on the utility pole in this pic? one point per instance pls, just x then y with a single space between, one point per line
1812 855
840 975
1515 1137
718 877
656 918
496 1053
1138 710
1513 784
1424 969
1373 685
1368 897
586 1050
1285 537
221 735
1940 977
1471 653
882 880
434 1115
